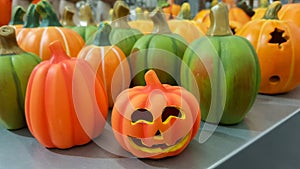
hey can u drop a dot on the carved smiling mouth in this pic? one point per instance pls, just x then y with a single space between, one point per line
158 148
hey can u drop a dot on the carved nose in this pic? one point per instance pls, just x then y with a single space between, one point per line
158 133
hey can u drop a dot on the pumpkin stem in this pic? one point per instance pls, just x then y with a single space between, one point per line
85 15
246 8
152 79
185 11
17 16
102 35
8 42
120 13
58 53
272 10
67 18
160 22
32 17
47 13
219 21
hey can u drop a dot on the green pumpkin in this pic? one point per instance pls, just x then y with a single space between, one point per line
15 69
122 35
161 51
225 69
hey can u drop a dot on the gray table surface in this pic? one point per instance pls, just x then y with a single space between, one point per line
18 149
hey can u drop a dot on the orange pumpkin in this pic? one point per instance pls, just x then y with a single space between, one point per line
65 105
172 10
5 8
290 12
108 61
275 42
142 22
184 26
156 120
37 39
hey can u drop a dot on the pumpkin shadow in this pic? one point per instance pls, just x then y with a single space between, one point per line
22 132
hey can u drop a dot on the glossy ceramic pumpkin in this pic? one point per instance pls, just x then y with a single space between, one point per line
108 61
66 103
35 37
223 69
156 120
15 68
275 42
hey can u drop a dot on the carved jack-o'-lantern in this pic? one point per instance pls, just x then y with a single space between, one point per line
156 120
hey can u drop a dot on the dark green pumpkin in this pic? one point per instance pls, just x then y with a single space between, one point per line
15 69
225 69
161 51
122 35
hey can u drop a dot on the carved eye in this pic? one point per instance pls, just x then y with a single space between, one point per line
141 114
170 112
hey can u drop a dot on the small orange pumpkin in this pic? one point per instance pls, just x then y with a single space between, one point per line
109 61
275 42
65 105
156 120
36 39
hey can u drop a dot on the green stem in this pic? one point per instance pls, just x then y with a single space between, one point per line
160 22
120 13
272 10
32 17
8 42
219 21
102 36
47 13
17 16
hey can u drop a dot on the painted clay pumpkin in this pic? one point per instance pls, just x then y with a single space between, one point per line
66 104
156 120
36 36
225 69
275 41
17 16
15 68
184 26
108 61
161 51
122 34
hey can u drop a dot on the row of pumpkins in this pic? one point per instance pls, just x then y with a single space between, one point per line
51 77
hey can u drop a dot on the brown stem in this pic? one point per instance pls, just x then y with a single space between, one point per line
8 42
86 16
120 13
160 22
219 21
67 18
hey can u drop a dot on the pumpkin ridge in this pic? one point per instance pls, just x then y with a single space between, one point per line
65 66
65 41
17 85
260 34
293 58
